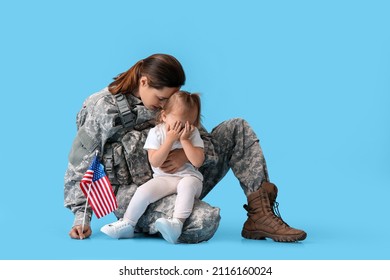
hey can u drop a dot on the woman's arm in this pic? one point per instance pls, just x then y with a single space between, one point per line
175 160
94 125
157 157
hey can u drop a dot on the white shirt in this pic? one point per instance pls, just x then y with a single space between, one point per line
157 136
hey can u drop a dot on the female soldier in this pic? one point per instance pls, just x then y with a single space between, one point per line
116 121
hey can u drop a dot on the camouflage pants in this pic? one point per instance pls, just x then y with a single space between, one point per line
236 147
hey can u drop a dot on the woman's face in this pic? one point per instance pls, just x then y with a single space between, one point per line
153 98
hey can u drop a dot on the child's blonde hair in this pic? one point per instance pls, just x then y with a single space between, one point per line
189 101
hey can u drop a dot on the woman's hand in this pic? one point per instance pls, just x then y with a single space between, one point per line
76 232
176 159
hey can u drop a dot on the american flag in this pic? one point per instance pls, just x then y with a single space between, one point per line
101 196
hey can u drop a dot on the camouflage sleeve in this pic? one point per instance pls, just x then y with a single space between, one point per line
209 151
74 199
95 123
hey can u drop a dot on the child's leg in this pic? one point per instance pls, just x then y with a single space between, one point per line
188 189
149 192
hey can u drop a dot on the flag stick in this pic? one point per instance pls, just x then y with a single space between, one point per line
86 202
85 210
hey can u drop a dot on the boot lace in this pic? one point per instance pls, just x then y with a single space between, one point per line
276 211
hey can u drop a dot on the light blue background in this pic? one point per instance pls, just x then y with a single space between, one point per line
311 77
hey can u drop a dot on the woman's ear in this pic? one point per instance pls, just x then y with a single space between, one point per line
143 81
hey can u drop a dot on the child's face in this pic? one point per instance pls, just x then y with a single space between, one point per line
179 114
153 98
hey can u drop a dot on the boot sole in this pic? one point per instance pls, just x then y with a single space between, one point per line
261 235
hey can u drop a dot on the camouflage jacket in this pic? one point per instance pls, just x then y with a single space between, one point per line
99 127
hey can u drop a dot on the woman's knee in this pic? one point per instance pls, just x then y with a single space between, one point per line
232 128
237 122
202 224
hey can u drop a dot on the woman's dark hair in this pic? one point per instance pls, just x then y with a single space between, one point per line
162 70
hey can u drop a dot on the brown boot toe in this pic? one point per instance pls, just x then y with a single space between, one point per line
291 235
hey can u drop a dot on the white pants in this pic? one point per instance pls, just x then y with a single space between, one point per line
187 188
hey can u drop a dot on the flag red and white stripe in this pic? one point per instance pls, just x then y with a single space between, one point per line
98 190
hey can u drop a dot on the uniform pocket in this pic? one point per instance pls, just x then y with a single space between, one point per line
82 145
115 164
136 157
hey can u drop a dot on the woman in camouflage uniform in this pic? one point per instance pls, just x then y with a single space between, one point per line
116 120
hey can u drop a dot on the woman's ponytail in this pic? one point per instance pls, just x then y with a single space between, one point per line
127 82
162 70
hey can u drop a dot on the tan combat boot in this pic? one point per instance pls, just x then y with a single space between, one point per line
262 221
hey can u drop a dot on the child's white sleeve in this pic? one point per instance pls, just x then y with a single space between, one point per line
152 141
196 140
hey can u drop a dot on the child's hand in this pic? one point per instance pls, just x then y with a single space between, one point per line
187 131
173 133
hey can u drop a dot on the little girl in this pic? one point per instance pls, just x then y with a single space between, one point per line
176 129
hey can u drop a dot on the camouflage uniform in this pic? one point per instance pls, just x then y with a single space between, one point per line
232 144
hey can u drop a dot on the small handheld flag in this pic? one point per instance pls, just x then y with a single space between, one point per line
98 190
